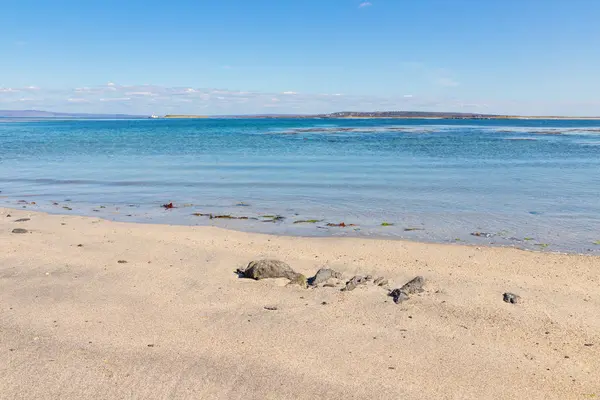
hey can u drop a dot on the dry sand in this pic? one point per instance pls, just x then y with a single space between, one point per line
175 322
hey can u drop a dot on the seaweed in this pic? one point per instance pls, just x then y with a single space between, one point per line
340 225
308 221
597 242
413 229
387 224
542 245
168 206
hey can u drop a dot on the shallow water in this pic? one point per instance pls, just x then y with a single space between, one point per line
531 184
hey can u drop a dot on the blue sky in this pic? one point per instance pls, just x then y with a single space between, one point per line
290 56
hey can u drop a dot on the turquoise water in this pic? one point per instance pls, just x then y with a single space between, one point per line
516 180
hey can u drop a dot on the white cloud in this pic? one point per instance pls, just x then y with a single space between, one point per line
290 93
110 84
365 4
8 90
111 99
408 96
147 94
77 100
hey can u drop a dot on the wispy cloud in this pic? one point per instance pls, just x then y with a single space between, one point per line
77 100
149 99
365 4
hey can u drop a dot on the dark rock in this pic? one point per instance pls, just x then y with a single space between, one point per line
323 275
19 230
265 269
511 298
22 219
354 282
8 215
413 286
398 295
271 308
122 262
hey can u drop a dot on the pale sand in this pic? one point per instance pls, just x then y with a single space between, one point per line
175 322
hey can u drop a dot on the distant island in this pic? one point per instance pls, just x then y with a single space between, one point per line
385 114
33 114
36 114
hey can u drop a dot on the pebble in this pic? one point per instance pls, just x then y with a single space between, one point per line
19 230
510 298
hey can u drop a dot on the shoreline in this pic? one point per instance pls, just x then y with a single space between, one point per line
95 309
321 228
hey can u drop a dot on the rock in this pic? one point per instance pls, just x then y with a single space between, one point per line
369 277
22 219
323 275
122 262
483 234
354 282
265 269
380 281
398 295
329 285
510 298
413 286
271 308
19 230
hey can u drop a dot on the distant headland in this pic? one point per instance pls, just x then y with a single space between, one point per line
35 114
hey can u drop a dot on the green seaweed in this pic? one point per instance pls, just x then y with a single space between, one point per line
308 221
597 242
387 224
528 238
67 208
542 245
413 229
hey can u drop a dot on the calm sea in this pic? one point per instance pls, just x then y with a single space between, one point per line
530 184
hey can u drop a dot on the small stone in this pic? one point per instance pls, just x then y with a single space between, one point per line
122 262
413 286
23 220
264 269
151 345
271 308
398 295
79 245
510 298
329 285
588 344
354 282
380 281
323 275
324 303
19 230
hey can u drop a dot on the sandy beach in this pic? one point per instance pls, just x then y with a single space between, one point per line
92 309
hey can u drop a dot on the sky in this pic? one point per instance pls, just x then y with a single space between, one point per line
214 57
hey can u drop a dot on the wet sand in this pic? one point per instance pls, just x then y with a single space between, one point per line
92 309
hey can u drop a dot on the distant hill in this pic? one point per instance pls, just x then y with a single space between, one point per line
50 114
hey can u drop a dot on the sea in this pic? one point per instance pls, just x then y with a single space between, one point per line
531 184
